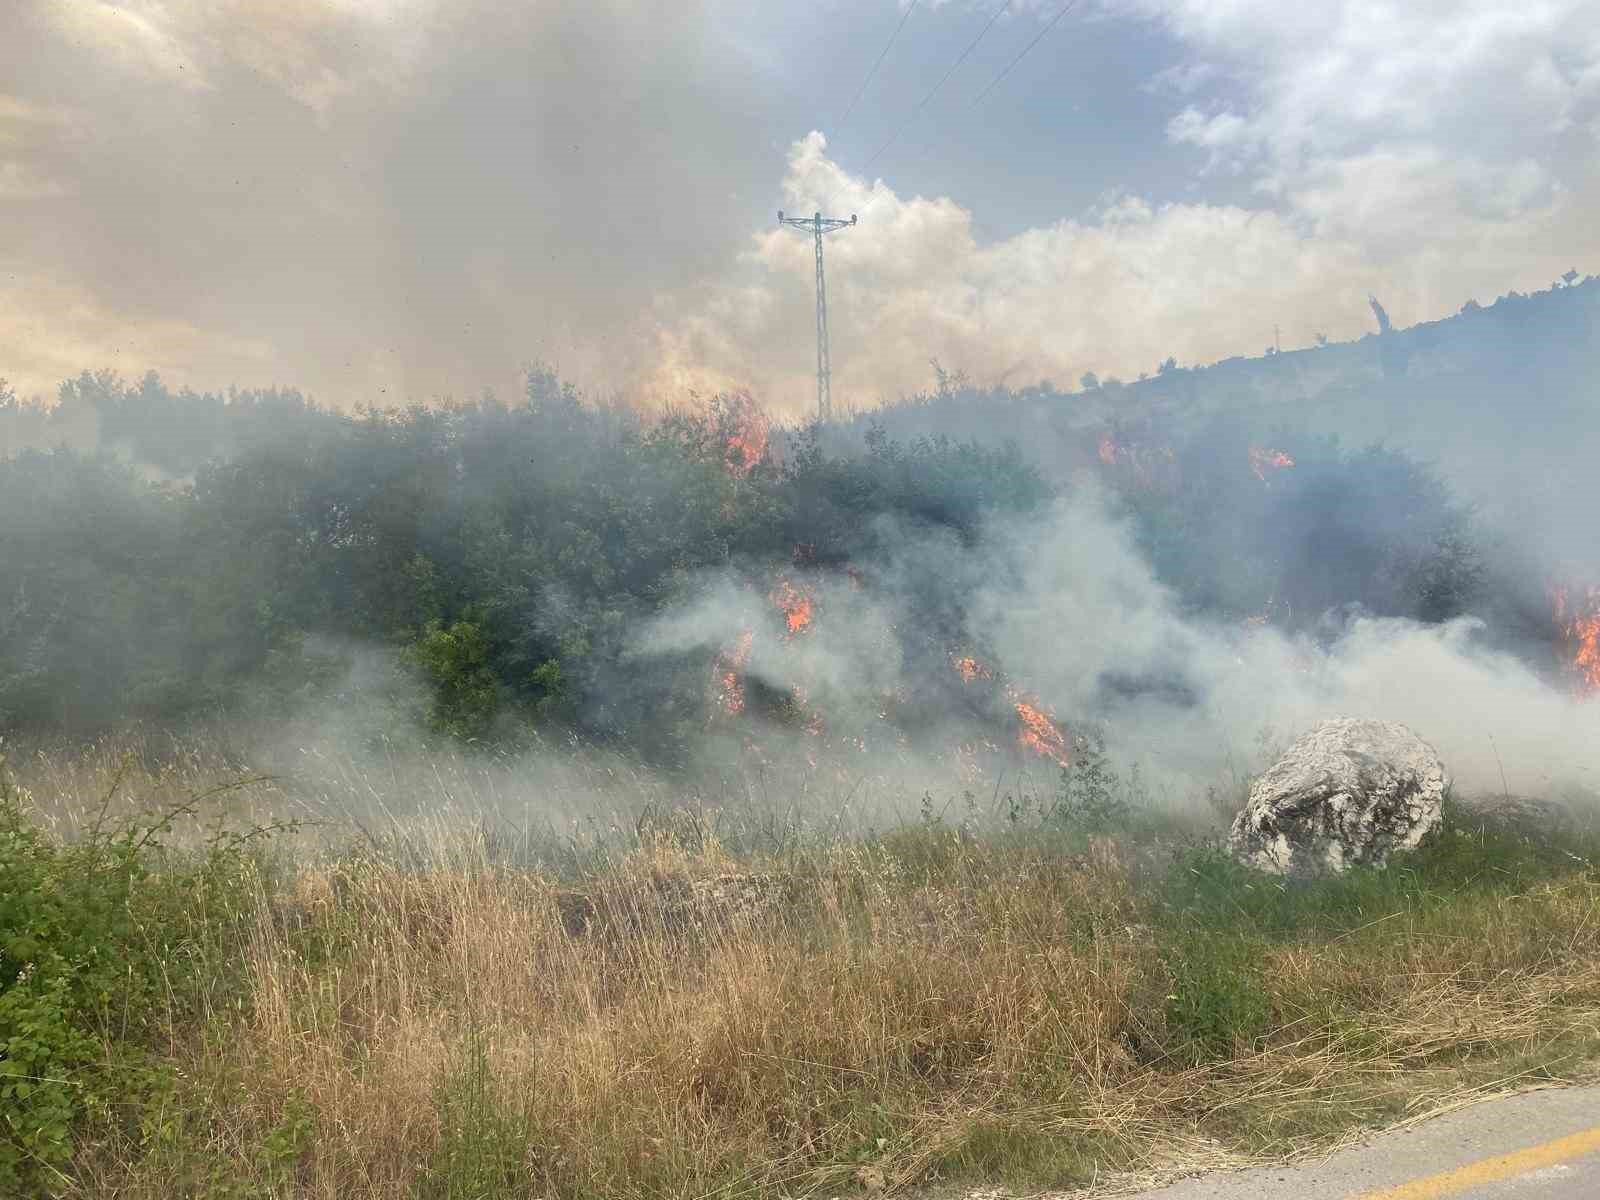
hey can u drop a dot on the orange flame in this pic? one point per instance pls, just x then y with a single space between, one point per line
796 603
727 674
1262 460
1038 731
970 668
746 429
1150 464
1580 628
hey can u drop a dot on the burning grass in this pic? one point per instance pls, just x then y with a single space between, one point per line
1577 615
1064 992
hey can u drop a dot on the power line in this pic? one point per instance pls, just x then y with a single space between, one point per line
993 83
862 90
926 100
1039 37
818 225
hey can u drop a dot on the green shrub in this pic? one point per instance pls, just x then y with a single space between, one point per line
1207 888
466 692
1218 1003
1091 797
482 1147
105 945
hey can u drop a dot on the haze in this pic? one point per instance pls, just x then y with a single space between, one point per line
384 201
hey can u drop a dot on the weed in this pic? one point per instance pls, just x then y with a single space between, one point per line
688 1005
482 1146
105 944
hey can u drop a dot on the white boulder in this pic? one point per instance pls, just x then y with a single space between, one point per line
1347 793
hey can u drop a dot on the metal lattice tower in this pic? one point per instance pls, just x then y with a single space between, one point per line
818 225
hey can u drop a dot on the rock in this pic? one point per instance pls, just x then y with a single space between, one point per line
1347 793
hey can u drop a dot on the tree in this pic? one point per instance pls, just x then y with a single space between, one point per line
1383 317
456 661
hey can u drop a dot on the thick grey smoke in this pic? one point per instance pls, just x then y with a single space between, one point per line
384 199
1074 616
1089 607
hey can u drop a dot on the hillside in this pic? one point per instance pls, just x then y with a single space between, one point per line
1503 398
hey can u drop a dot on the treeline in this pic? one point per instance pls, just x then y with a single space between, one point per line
182 554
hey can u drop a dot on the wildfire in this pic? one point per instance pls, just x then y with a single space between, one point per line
1038 732
727 674
1268 612
1150 465
970 668
745 428
1262 461
796 603
1580 628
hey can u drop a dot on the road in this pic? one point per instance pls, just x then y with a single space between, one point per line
1541 1145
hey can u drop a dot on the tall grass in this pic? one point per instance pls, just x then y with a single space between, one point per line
1047 995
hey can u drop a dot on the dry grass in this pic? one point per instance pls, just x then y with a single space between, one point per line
871 1015
867 1029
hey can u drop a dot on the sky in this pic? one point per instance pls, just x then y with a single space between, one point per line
387 201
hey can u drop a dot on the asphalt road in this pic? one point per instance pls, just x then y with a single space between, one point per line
1541 1145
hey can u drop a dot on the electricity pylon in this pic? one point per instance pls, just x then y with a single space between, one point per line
819 225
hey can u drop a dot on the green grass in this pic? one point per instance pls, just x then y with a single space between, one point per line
1037 996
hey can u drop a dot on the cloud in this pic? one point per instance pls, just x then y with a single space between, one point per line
1120 289
56 328
404 198
1310 81
1429 152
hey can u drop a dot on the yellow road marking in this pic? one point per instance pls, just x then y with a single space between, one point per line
1493 1170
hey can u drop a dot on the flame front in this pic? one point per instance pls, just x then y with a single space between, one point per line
1038 732
727 674
796 604
1579 623
746 430
1150 465
970 668
1262 461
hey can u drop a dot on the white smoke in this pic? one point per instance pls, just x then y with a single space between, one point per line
1068 603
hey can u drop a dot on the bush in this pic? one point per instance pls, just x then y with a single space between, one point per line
104 944
1091 797
482 1146
456 661
1218 1004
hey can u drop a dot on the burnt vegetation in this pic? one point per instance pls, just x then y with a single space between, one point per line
171 554
400 974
